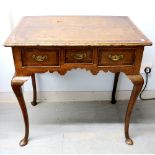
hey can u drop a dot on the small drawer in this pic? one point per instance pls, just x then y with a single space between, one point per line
116 56
40 56
79 55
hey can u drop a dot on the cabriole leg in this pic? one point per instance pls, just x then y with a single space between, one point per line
34 102
16 84
137 81
113 101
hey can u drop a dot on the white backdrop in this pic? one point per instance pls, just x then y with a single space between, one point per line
140 11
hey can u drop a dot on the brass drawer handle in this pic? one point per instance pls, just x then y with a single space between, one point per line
39 58
78 56
116 57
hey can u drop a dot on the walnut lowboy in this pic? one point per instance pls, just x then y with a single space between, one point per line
42 44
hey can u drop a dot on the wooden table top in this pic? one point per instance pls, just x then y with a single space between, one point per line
76 31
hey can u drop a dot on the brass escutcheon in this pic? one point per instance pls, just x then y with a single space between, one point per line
116 57
39 58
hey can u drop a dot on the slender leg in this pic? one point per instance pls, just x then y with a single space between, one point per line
137 81
34 102
16 84
113 101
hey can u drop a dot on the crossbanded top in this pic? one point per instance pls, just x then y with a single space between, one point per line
76 31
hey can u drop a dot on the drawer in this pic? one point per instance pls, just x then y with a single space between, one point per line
78 55
116 56
40 56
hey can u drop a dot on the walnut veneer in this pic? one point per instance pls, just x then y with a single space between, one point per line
61 43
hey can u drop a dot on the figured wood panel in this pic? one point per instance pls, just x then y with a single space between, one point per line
116 56
76 31
78 55
40 57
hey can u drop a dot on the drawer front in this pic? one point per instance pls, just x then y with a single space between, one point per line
78 55
116 56
40 57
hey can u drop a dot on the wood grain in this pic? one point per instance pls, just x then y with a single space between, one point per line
95 43
40 56
76 31
96 60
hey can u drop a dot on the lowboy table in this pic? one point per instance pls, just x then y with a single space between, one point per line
49 43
